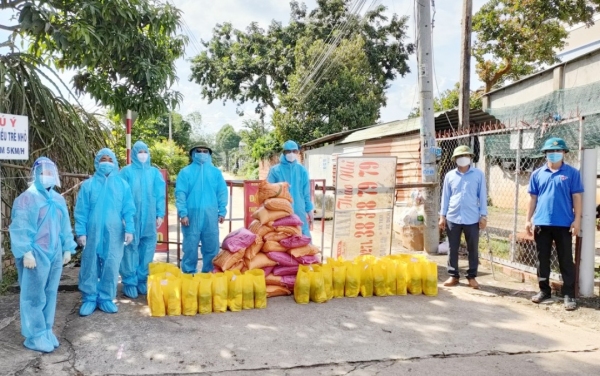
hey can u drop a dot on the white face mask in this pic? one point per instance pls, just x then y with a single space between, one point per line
290 157
463 161
142 157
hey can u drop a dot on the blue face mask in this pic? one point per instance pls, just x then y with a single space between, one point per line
201 157
554 157
105 168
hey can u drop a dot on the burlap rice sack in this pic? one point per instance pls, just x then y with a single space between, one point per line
273 247
273 291
279 204
268 190
276 236
253 249
290 230
225 260
265 215
259 261
304 251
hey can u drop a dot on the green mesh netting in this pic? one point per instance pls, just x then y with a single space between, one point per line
551 108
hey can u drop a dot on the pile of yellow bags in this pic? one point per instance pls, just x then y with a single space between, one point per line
366 276
173 293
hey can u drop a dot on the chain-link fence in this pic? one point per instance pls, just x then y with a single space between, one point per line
508 156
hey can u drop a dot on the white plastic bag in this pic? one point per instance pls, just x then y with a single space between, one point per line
444 248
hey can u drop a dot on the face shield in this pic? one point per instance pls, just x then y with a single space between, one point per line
45 172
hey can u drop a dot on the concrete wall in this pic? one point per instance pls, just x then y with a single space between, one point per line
502 189
524 91
582 72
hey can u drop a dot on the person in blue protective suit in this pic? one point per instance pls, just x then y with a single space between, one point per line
201 199
149 189
104 226
41 241
291 171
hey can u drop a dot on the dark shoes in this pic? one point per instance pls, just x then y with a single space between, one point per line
452 281
540 297
570 304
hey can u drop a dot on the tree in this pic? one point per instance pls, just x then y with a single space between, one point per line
258 65
515 37
123 51
448 100
152 131
227 141
346 97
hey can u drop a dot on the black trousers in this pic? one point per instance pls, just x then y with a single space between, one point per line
562 238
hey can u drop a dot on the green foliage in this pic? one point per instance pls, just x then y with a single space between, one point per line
448 100
124 51
265 147
515 37
170 156
347 99
227 141
266 66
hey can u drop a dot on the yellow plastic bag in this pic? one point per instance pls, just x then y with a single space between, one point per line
247 291
366 277
415 273
260 288
339 280
430 279
163 267
401 278
173 296
380 278
302 285
317 285
156 301
352 287
235 285
219 292
189 295
205 296
328 280
390 281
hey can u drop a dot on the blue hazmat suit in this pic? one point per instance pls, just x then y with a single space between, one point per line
104 212
40 224
296 175
201 195
148 190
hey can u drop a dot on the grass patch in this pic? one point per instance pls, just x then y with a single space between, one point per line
9 276
500 248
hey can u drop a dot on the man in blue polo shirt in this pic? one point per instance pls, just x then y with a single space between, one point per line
463 210
554 215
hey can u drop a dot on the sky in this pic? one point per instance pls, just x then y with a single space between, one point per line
200 17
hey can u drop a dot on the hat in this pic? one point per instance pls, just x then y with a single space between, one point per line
290 145
200 146
462 150
555 143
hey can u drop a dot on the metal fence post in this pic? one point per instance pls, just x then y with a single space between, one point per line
513 244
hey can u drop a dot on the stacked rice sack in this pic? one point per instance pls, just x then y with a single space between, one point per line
273 242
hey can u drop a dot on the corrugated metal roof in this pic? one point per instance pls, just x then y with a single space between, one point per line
383 130
443 120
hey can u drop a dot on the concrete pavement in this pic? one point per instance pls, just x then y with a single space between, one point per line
494 331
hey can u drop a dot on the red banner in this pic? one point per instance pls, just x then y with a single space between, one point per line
163 230
250 200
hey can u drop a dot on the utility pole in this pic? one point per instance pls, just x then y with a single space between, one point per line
464 98
429 171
